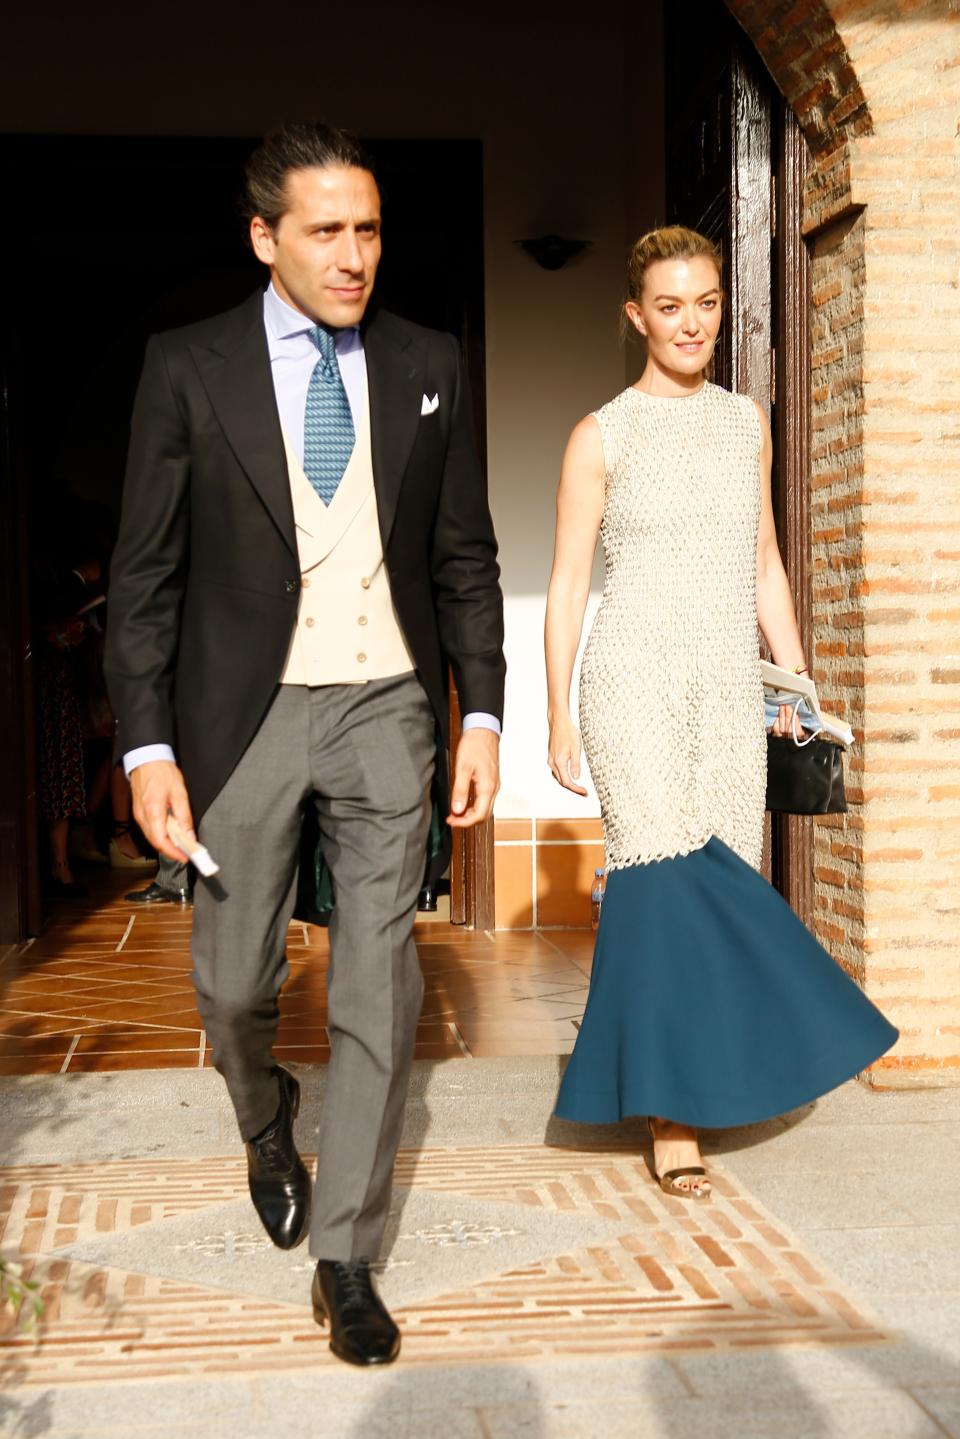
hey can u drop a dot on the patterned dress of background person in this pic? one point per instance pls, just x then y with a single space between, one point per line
60 631
67 588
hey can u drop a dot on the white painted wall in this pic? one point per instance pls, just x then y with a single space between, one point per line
591 167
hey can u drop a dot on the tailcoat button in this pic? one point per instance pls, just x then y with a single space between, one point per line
291 586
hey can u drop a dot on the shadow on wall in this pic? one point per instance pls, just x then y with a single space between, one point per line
544 871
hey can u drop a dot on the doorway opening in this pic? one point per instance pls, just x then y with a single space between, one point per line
88 293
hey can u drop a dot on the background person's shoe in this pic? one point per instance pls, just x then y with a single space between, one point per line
119 860
361 1329
156 894
279 1182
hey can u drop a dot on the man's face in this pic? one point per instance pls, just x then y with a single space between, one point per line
324 253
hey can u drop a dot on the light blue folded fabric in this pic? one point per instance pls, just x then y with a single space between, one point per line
806 718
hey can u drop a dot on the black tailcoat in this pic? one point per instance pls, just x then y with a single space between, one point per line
205 578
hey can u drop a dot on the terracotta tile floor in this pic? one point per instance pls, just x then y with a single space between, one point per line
106 986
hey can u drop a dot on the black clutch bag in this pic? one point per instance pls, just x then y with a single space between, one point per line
804 779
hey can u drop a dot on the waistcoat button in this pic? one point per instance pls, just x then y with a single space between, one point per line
362 658
365 583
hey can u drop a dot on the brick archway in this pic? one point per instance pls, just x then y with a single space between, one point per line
876 87
807 56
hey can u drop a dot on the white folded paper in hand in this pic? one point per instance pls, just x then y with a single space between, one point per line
200 856
784 686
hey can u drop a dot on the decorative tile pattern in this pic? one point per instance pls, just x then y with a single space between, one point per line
460 1233
666 1277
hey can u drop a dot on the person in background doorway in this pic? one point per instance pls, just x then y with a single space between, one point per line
89 530
710 1004
305 547
122 851
68 584
61 590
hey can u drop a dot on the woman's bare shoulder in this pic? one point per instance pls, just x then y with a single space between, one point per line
589 435
585 445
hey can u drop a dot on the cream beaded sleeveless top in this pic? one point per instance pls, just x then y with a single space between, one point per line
671 703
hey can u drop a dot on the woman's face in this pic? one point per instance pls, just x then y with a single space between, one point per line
679 313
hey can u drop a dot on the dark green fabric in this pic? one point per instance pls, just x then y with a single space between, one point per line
315 895
710 1003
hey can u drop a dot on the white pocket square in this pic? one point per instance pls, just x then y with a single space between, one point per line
428 406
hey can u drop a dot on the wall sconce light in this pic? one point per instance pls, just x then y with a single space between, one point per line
552 252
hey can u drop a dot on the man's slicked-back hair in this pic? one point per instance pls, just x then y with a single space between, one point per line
305 145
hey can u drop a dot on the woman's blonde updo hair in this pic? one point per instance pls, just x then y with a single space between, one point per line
670 242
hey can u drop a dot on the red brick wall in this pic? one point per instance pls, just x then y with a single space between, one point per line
877 88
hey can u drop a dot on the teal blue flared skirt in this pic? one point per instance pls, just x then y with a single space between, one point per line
710 1003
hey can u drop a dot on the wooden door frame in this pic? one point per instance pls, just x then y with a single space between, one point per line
793 836
472 897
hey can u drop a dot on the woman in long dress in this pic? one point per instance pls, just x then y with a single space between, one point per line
710 1004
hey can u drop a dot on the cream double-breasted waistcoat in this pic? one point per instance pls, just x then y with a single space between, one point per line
347 631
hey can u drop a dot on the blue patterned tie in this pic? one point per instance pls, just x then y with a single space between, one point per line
328 434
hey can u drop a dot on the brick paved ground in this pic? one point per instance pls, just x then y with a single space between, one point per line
544 1284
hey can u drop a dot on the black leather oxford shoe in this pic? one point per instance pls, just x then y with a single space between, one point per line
158 894
361 1330
279 1182
427 899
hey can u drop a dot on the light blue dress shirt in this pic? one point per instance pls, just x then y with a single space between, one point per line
293 359
293 356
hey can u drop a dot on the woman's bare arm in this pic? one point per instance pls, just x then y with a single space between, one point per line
579 513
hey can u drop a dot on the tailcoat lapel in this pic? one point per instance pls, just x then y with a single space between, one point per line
395 367
235 371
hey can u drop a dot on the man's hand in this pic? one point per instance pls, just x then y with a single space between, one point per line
158 791
476 778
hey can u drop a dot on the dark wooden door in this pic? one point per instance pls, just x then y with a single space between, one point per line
735 166
19 874
719 166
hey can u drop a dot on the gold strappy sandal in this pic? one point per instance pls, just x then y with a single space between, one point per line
668 1181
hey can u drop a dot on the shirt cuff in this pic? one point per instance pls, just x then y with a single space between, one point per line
478 720
146 754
